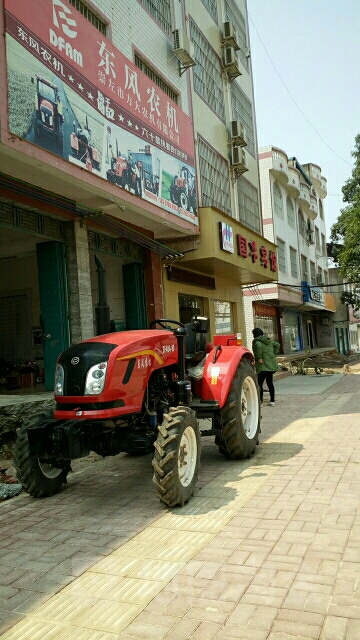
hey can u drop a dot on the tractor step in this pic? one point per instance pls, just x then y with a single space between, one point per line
204 408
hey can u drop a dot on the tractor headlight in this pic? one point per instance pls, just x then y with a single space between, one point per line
59 381
95 379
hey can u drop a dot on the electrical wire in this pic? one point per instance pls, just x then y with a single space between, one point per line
293 99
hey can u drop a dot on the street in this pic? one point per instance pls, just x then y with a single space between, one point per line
267 549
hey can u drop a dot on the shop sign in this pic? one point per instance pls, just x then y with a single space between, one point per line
265 310
226 237
248 248
312 294
73 93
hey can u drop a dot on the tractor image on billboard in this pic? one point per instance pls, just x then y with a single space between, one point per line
83 151
144 391
183 190
48 116
134 171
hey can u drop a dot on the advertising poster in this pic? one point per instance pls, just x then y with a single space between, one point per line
71 92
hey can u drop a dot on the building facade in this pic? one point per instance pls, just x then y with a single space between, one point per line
129 182
346 325
296 311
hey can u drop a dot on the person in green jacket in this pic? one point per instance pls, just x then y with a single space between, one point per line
265 351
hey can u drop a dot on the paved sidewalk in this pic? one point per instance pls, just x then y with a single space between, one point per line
268 548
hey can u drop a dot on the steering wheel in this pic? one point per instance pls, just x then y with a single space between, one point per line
161 322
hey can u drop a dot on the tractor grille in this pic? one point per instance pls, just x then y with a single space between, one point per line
76 362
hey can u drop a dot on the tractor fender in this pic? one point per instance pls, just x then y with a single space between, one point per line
218 375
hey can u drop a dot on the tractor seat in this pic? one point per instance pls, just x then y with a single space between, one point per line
195 341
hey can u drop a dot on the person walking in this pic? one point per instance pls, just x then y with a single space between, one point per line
265 351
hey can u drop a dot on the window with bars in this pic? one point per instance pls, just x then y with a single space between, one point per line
234 15
156 79
290 212
278 201
90 15
281 255
214 178
312 272
207 76
248 197
242 110
211 6
160 11
302 224
293 262
304 268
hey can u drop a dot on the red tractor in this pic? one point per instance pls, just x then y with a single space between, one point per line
142 391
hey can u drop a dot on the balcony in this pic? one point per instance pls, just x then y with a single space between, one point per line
293 186
323 187
304 196
280 166
313 209
314 173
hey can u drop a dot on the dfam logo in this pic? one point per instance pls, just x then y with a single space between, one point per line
61 18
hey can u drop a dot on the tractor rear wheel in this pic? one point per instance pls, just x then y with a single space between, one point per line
240 417
38 477
177 457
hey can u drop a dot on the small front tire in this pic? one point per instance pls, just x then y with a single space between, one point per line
177 457
38 477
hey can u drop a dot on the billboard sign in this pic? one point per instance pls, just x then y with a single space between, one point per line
73 93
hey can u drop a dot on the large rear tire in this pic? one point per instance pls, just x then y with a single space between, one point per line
177 457
240 417
38 477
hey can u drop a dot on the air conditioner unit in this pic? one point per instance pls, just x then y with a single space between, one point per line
229 36
238 160
237 133
182 48
230 63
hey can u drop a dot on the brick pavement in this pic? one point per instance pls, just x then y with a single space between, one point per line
268 548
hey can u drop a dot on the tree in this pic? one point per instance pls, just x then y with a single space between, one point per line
345 233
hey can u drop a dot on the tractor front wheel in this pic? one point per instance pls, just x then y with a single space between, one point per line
239 419
177 457
38 477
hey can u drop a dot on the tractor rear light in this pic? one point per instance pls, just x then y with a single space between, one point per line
59 380
95 379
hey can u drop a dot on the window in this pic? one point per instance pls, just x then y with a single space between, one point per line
155 78
312 272
293 262
234 15
304 268
278 201
281 255
321 210
317 240
190 306
302 224
223 317
242 110
160 11
214 178
319 277
249 213
90 15
211 7
207 76
290 212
